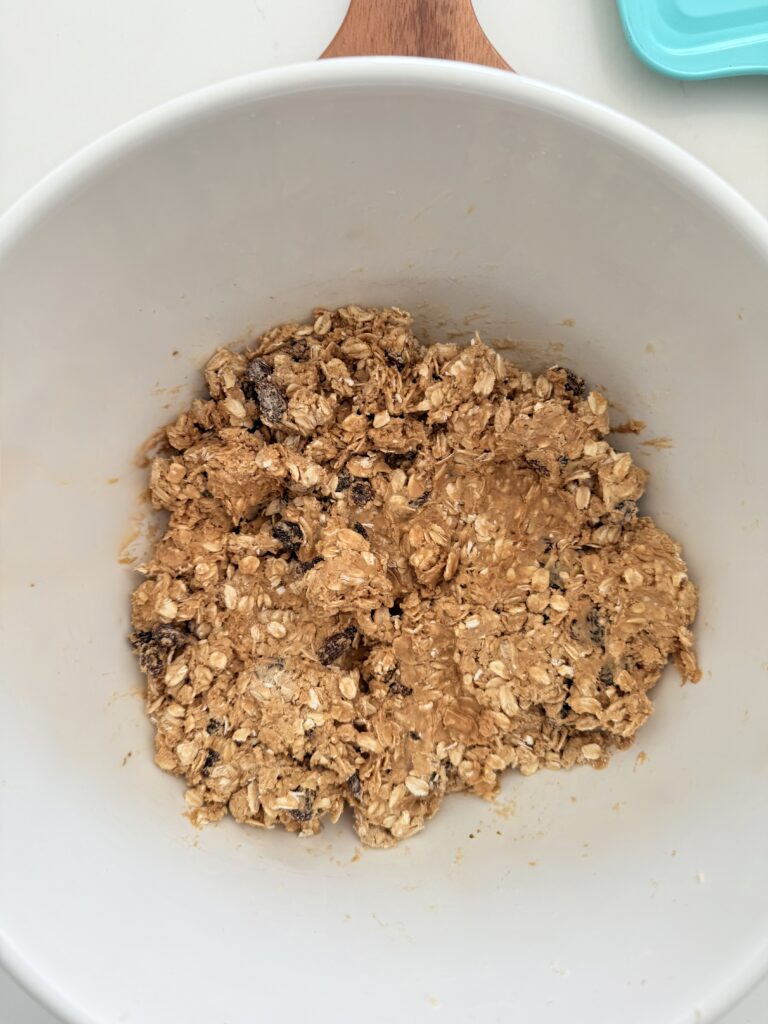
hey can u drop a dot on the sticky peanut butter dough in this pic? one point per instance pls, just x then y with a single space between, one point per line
392 571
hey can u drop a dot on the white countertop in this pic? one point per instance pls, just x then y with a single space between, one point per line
72 69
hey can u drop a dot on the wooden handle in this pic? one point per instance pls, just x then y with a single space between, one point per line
448 29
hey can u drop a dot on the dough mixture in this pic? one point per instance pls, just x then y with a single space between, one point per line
391 572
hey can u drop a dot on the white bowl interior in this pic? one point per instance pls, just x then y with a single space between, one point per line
478 201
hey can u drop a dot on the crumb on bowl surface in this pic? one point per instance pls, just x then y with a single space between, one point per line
392 571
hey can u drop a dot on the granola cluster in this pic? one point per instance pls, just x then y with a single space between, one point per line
392 571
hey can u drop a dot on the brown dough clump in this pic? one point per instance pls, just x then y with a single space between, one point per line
391 572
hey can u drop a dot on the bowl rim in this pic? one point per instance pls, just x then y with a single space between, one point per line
85 164
88 163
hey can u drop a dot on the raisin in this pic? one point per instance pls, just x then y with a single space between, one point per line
595 627
335 645
298 348
210 760
258 370
304 567
563 460
305 813
215 725
344 480
359 528
355 786
361 492
555 582
156 647
573 383
631 662
398 689
627 509
420 502
538 467
169 636
272 401
394 360
605 675
397 459
289 534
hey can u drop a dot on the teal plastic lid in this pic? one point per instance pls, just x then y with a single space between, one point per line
699 38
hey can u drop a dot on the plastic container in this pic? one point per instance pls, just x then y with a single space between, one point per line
699 38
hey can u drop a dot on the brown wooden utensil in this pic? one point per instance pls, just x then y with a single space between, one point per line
447 29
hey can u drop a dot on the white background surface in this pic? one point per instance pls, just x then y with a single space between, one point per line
72 69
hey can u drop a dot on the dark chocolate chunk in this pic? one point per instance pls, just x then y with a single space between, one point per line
359 528
538 467
214 725
344 480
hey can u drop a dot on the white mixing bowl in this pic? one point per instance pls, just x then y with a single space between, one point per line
478 200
